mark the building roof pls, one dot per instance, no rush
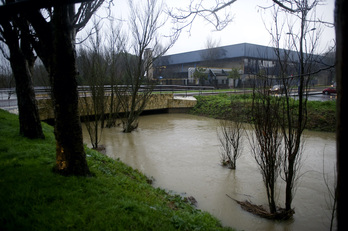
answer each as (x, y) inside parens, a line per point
(242, 50)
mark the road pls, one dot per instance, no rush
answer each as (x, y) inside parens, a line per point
(8, 98)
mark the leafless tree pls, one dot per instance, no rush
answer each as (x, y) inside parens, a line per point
(209, 56)
(218, 13)
(266, 139)
(145, 23)
(6, 77)
(304, 42)
(116, 41)
(212, 52)
(230, 134)
(341, 22)
(93, 67)
(40, 75)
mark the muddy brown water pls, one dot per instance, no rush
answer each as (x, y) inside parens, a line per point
(181, 152)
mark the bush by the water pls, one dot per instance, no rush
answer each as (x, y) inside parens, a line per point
(321, 115)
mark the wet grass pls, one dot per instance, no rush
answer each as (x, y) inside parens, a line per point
(32, 197)
(321, 115)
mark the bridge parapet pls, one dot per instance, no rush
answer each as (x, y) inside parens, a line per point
(156, 102)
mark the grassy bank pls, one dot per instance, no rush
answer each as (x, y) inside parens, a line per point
(321, 115)
(32, 197)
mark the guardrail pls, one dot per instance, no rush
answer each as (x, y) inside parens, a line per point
(46, 91)
(155, 88)
(8, 98)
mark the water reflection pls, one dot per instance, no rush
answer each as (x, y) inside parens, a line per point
(182, 153)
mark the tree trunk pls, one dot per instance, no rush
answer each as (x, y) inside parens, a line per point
(341, 23)
(271, 201)
(29, 120)
(289, 183)
(70, 154)
(22, 60)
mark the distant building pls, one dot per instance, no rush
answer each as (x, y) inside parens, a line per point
(213, 66)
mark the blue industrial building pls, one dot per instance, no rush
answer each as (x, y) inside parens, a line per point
(248, 59)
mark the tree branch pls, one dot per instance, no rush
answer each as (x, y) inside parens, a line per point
(208, 14)
(84, 13)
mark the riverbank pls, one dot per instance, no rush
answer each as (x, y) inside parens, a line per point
(321, 115)
(32, 197)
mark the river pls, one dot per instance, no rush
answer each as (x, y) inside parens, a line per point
(181, 153)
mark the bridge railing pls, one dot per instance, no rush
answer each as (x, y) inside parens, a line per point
(8, 96)
(158, 89)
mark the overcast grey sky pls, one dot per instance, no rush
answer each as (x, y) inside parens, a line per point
(247, 25)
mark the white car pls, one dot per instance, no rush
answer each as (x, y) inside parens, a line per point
(277, 89)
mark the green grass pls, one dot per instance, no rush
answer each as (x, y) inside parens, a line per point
(32, 197)
(224, 106)
(321, 115)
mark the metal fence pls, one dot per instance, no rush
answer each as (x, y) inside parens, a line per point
(8, 98)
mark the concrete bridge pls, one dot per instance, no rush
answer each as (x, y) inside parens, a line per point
(166, 102)
(165, 98)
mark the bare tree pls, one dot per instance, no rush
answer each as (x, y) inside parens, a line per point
(217, 13)
(145, 24)
(116, 41)
(93, 67)
(266, 139)
(212, 52)
(340, 27)
(293, 122)
(230, 134)
(40, 75)
(6, 77)
(209, 56)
